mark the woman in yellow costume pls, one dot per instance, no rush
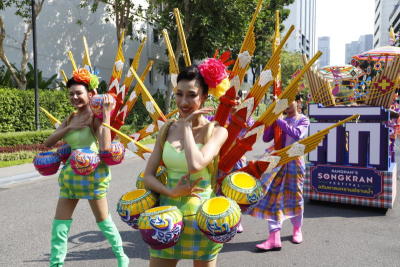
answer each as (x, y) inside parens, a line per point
(82, 131)
(186, 156)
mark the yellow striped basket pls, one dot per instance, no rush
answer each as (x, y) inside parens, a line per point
(133, 203)
(218, 218)
(161, 175)
(242, 188)
(161, 227)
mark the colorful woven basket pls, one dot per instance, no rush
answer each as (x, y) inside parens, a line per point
(96, 104)
(115, 155)
(218, 218)
(84, 161)
(133, 203)
(161, 227)
(242, 188)
(64, 151)
(161, 175)
(47, 163)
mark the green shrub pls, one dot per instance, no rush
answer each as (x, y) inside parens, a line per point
(17, 155)
(24, 138)
(17, 112)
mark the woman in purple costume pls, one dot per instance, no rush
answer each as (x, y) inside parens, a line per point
(284, 195)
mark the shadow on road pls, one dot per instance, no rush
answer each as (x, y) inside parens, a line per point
(320, 209)
(134, 247)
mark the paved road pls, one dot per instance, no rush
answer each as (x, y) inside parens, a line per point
(335, 235)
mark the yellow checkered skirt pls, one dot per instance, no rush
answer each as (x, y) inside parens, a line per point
(92, 186)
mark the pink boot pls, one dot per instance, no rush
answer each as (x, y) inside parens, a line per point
(240, 228)
(297, 235)
(272, 243)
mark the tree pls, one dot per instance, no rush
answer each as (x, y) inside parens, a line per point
(123, 12)
(290, 63)
(208, 24)
(23, 10)
(264, 31)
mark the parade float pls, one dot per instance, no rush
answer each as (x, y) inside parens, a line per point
(355, 163)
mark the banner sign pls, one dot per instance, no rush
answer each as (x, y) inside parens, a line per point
(363, 144)
(349, 181)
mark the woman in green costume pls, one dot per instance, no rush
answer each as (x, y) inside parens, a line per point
(186, 156)
(82, 130)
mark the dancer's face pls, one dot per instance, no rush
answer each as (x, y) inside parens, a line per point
(189, 97)
(291, 109)
(79, 96)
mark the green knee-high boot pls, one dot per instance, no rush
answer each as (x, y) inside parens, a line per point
(59, 240)
(110, 231)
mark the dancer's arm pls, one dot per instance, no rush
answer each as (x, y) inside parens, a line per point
(103, 133)
(296, 132)
(57, 135)
(268, 133)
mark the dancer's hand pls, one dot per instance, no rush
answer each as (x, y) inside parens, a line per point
(195, 114)
(186, 188)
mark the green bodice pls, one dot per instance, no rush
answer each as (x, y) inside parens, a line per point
(81, 138)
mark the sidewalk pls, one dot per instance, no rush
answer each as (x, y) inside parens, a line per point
(17, 170)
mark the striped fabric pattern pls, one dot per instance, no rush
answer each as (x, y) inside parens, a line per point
(284, 193)
(385, 200)
(93, 186)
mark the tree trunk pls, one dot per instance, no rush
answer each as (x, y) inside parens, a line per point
(3, 57)
(20, 78)
(253, 71)
(25, 55)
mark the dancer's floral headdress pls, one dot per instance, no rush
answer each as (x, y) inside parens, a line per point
(215, 75)
(84, 76)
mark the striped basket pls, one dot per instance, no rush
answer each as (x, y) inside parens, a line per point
(161, 175)
(133, 203)
(84, 161)
(64, 151)
(161, 227)
(115, 155)
(47, 163)
(218, 218)
(242, 188)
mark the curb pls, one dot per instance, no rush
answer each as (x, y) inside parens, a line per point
(30, 176)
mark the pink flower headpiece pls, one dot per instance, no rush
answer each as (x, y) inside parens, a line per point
(215, 74)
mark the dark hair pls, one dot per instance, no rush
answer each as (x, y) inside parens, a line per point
(72, 82)
(192, 73)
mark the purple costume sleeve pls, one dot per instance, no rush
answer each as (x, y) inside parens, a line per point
(268, 134)
(298, 131)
